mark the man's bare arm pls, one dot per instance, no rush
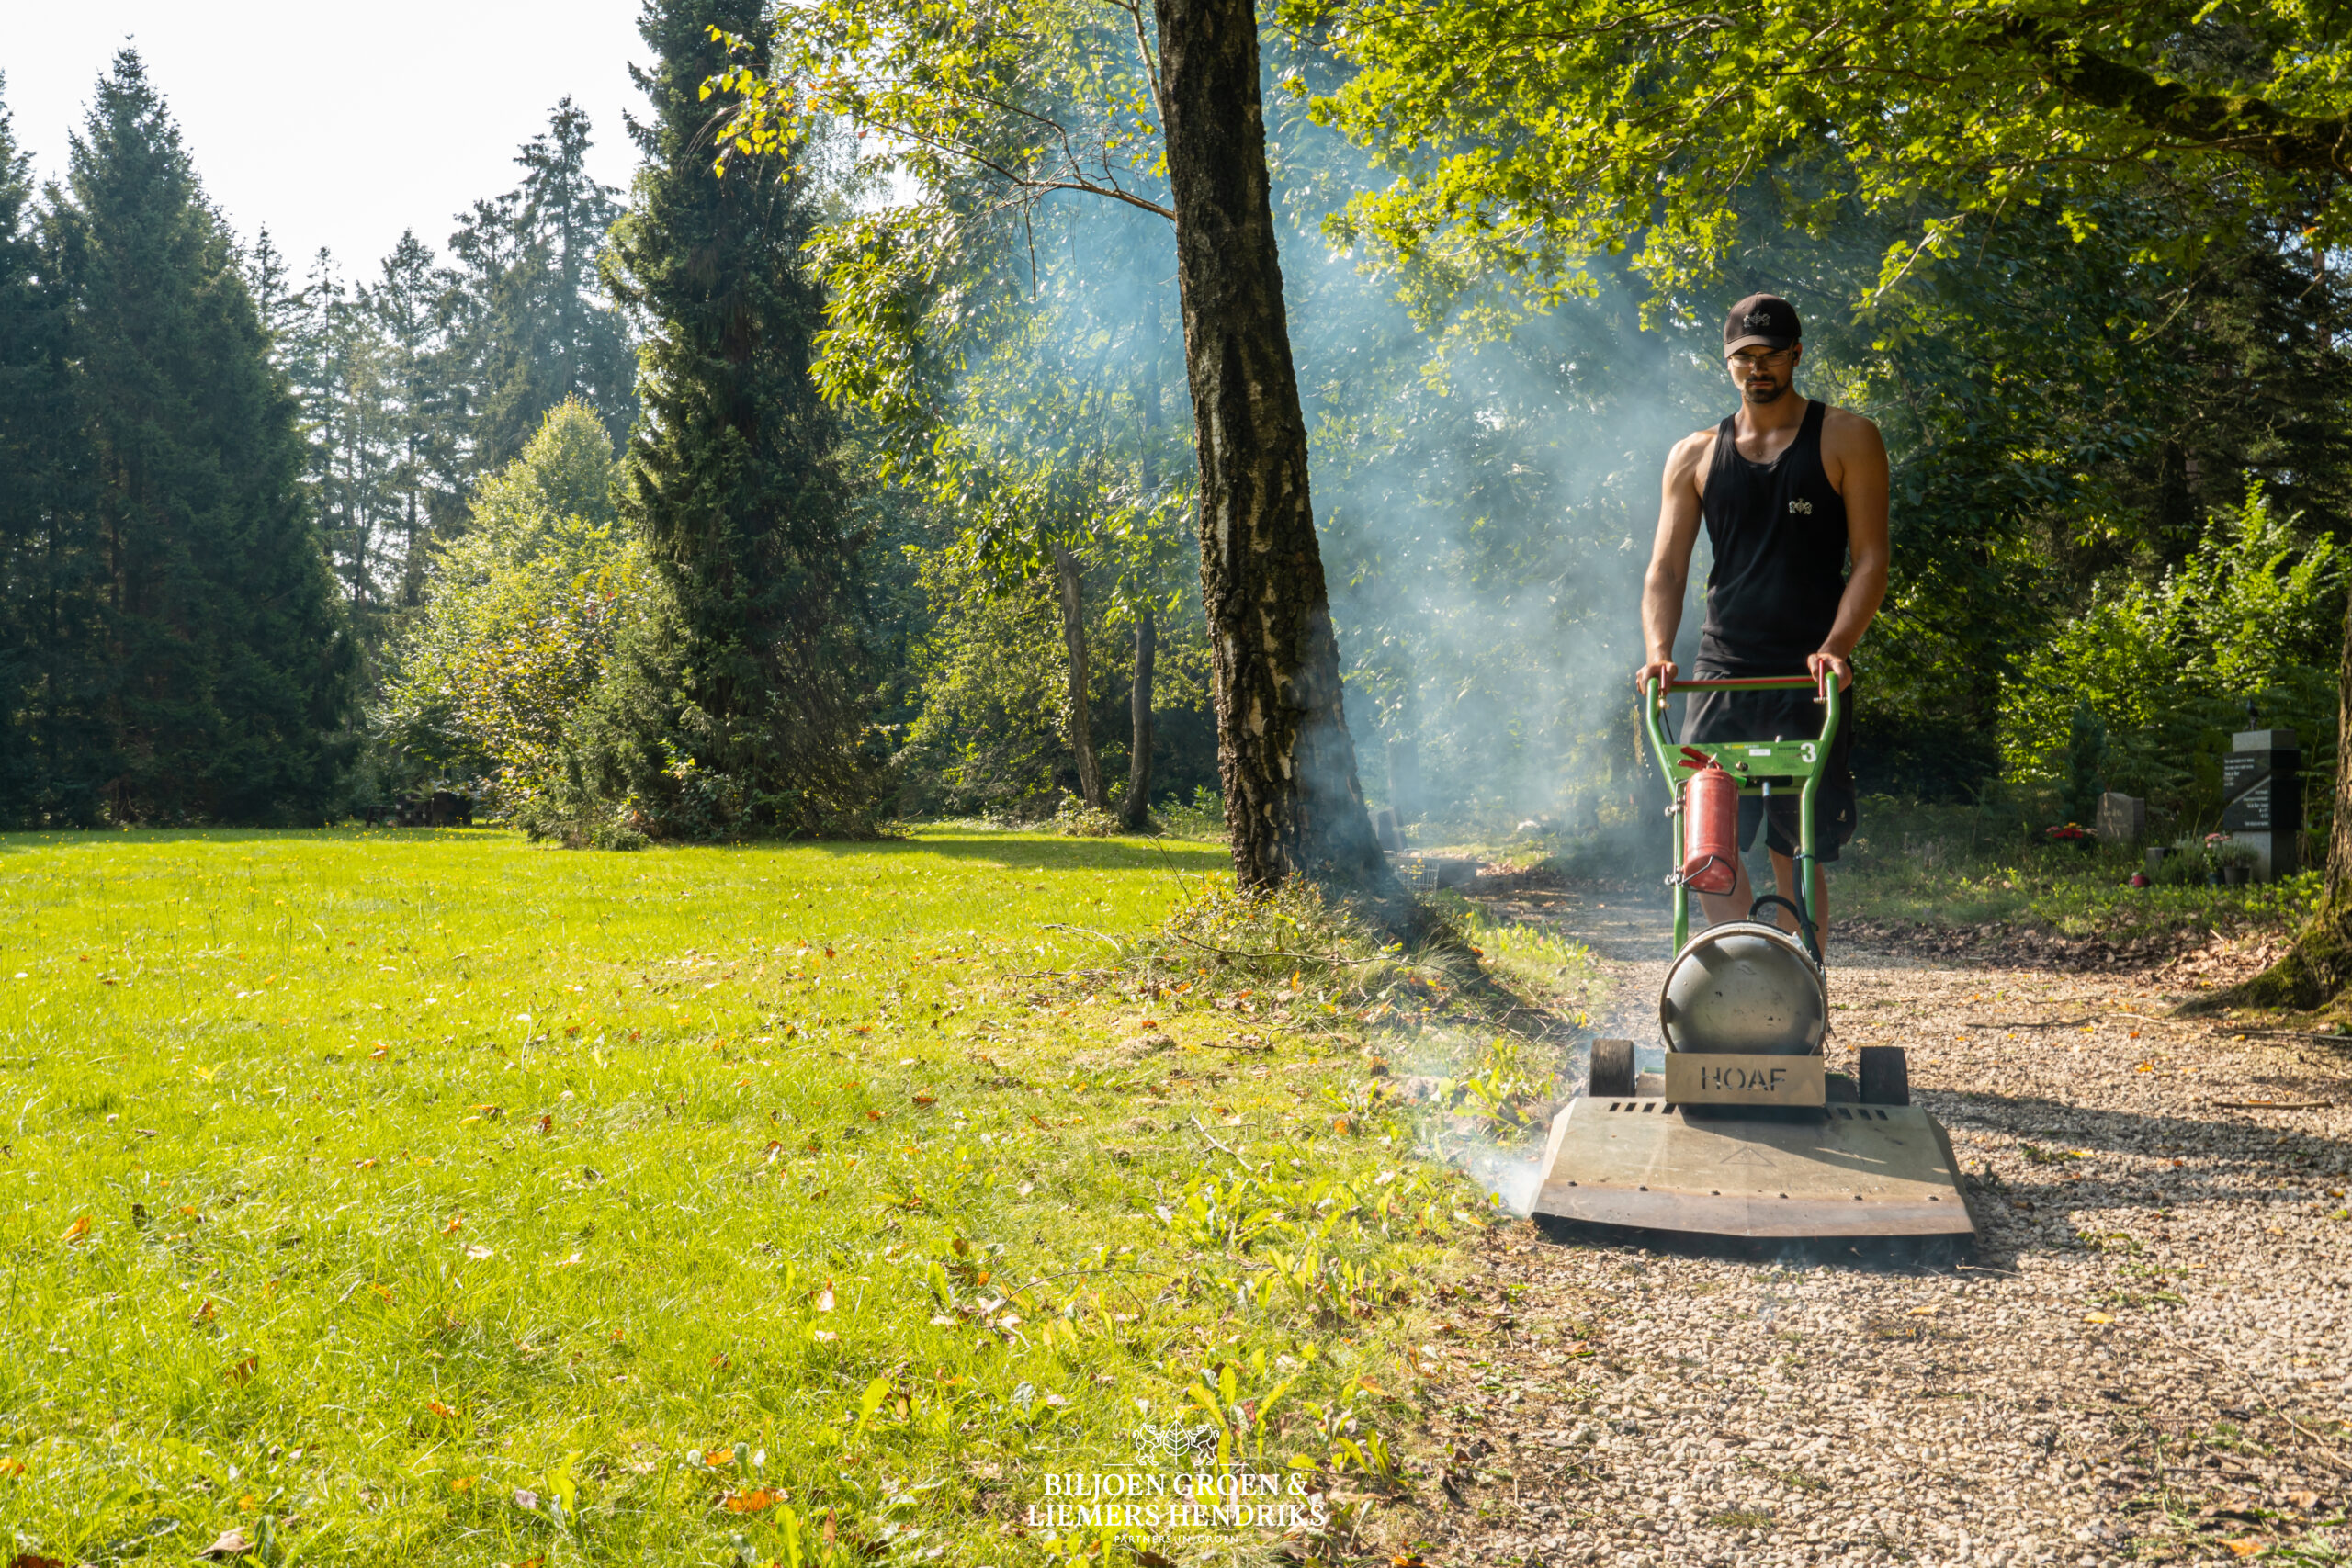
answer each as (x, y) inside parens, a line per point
(1855, 457)
(1670, 574)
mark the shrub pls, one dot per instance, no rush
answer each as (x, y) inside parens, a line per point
(2164, 669)
(1076, 820)
(543, 656)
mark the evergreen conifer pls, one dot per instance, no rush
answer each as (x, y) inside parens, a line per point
(538, 332)
(230, 665)
(731, 474)
(55, 753)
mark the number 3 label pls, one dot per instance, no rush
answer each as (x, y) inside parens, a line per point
(1807, 748)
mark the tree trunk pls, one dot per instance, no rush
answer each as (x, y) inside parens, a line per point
(1292, 804)
(1136, 809)
(2319, 966)
(1081, 729)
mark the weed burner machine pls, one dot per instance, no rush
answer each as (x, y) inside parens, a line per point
(1747, 1133)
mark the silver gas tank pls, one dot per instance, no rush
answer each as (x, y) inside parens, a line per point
(1743, 987)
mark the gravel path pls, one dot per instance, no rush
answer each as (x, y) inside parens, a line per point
(2149, 1359)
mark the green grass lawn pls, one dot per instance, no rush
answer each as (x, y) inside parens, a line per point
(426, 1197)
(1944, 866)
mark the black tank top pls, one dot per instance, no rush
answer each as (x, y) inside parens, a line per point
(1778, 531)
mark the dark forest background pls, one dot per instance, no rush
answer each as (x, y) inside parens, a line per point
(585, 509)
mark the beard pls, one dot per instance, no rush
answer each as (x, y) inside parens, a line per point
(1765, 391)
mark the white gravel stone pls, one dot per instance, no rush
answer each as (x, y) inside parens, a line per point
(1795, 1410)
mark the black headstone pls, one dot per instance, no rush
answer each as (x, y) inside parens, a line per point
(2262, 789)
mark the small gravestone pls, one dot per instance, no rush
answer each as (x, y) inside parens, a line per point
(1384, 828)
(2262, 799)
(2122, 818)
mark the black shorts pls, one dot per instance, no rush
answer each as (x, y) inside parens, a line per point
(1782, 715)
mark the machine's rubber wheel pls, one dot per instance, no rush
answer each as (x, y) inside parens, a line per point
(1613, 1070)
(1886, 1075)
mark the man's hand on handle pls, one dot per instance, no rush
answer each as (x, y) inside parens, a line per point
(1816, 664)
(1662, 671)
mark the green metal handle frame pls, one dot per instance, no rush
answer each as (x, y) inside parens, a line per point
(1782, 764)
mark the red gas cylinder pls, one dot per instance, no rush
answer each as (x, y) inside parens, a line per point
(1710, 830)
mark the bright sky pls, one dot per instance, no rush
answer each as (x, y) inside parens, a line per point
(337, 124)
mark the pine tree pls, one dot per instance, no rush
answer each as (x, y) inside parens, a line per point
(340, 371)
(53, 750)
(231, 664)
(539, 331)
(425, 483)
(731, 478)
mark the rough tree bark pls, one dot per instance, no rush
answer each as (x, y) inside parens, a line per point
(1081, 728)
(1292, 802)
(1136, 809)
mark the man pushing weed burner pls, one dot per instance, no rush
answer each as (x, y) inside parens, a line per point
(1790, 491)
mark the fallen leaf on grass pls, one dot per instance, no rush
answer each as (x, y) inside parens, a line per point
(456, 1223)
(435, 1407)
(233, 1543)
(2246, 1546)
(825, 1297)
(75, 1231)
(478, 1251)
(823, 1336)
(2098, 1317)
(201, 1314)
(364, 1164)
(243, 1373)
(750, 1501)
(925, 1099)
(383, 1291)
(462, 1483)
(2306, 1501)
(33, 1560)
(11, 1466)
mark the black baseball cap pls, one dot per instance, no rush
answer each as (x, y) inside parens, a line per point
(1764, 321)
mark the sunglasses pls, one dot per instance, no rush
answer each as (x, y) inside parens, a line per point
(1753, 357)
